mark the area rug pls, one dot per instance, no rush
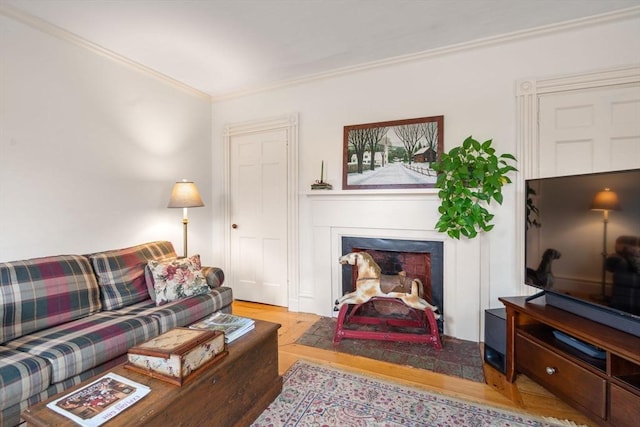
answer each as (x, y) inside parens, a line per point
(457, 358)
(315, 395)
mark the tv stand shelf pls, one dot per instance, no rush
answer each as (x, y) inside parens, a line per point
(607, 390)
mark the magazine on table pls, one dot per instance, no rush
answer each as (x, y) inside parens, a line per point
(98, 402)
(233, 326)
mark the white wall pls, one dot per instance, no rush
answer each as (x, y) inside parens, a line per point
(90, 148)
(475, 91)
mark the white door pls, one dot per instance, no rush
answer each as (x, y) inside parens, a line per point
(589, 130)
(258, 216)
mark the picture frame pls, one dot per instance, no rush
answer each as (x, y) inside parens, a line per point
(403, 151)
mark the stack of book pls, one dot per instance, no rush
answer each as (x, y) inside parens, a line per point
(233, 326)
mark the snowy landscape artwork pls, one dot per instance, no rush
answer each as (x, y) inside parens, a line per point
(393, 154)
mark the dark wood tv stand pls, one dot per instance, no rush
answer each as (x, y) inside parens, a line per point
(607, 390)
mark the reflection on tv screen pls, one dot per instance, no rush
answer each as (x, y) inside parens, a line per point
(583, 237)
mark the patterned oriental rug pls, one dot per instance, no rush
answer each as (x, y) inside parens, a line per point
(315, 395)
(457, 358)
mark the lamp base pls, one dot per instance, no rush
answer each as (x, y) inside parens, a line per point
(185, 221)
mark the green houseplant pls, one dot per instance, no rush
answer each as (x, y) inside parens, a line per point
(469, 178)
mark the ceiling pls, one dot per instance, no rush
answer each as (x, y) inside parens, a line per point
(224, 47)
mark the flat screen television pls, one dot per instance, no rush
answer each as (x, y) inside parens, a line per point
(582, 245)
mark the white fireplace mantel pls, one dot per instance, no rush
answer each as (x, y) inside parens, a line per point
(409, 194)
(392, 215)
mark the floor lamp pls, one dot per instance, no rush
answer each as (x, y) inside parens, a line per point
(185, 195)
(605, 201)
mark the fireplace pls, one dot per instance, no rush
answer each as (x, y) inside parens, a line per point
(420, 259)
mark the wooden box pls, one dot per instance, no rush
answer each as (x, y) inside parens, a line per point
(177, 355)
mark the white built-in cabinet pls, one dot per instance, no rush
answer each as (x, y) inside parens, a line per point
(581, 123)
(575, 124)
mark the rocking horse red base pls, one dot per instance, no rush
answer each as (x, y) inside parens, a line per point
(424, 321)
(417, 313)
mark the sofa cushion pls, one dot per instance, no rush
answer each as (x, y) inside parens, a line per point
(121, 272)
(177, 279)
(42, 292)
(21, 376)
(83, 344)
(213, 275)
(182, 312)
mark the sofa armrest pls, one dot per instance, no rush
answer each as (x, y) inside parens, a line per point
(214, 276)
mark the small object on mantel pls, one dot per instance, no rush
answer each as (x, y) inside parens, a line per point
(321, 185)
(177, 355)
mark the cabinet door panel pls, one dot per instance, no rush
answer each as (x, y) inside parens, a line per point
(624, 407)
(580, 387)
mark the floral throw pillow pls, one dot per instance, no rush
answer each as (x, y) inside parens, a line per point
(176, 279)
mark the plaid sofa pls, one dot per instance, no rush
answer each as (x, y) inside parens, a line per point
(69, 317)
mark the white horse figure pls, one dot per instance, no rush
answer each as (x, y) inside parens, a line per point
(368, 285)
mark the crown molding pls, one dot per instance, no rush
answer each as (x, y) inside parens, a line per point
(60, 33)
(447, 50)
(629, 74)
(68, 36)
(279, 122)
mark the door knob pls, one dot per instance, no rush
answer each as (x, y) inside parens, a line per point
(550, 370)
(234, 226)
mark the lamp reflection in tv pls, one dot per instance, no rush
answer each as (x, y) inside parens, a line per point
(605, 201)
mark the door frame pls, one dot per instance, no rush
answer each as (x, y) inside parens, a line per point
(290, 124)
(528, 93)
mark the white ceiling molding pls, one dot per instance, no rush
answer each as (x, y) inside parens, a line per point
(447, 50)
(62, 34)
(71, 37)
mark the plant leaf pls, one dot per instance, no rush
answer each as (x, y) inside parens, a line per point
(470, 176)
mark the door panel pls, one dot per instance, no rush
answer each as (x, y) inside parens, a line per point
(589, 131)
(258, 208)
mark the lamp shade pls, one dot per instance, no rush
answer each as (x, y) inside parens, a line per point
(605, 200)
(185, 195)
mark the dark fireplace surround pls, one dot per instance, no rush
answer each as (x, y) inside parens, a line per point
(420, 259)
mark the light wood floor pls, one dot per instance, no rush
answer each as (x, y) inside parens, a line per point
(522, 396)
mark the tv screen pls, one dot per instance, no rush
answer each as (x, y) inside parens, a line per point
(582, 238)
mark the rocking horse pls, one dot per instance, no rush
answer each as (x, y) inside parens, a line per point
(421, 314)
(368, 285)
(543, 277)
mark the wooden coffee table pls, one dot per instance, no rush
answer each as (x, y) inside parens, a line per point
(233, 392)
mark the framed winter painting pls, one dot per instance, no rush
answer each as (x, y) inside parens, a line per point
(392, 155)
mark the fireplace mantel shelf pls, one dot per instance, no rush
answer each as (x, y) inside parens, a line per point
(418, 192)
